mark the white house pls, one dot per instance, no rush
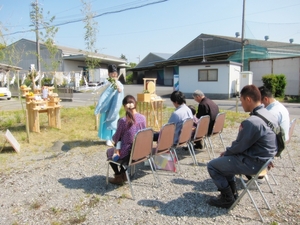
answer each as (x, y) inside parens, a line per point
(220, 61)
(218, 80)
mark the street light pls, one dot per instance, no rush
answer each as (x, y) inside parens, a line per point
(203, 46)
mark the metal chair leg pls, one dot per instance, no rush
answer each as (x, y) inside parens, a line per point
(211, 147)
(155, 175)
(192, 152)
(207, 148)
(173, 149)
(129, 182)
(107, 173)
(246, 190)
(221, 137)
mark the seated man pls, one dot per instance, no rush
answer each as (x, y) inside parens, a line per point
(277, 109)
(255, 144)
(181, 113)
(206, 107)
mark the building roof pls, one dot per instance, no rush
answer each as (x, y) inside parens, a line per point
(216, 48)
(5, 67)
(79, 54)
(152, 58)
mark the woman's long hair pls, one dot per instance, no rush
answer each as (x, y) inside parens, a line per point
(129, 104)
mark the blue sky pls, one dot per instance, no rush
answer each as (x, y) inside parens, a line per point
(165, 27)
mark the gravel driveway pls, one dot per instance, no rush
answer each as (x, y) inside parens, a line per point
(65, 184)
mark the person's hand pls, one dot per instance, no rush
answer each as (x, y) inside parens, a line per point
(222, 154)
(271, 165)
(117, 152)
(119, 89)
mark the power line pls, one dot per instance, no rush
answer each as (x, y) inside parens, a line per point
(95, 16)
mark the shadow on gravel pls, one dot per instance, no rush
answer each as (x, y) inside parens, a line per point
(182, 154)
(204, 186)
(68, 145)
(91, 185)
(189, 204)
(97, 184)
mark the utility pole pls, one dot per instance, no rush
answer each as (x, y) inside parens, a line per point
(243, 30)
(242, 50)
(38, 64)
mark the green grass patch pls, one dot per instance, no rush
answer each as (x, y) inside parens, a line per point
(78, 129)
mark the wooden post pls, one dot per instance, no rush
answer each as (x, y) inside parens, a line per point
(27, 126)
(97, 122)
(57, 117)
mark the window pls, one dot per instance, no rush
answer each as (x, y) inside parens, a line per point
(208, 75)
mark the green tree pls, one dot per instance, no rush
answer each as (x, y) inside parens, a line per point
(46, 32)
(48, 38)
(129, 77)
(90, 37)
(2, 44)
(123, 57)
(10, 55)
(132, 65)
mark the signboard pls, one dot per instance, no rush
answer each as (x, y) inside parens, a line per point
(11, 139)
(176, 82)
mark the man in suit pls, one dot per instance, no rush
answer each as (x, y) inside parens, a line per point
(205, 107)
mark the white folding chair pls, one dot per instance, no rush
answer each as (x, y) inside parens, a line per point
(165, 141)
(217, 130)
(184, 139)
(141, 151)
(291, 131)
(262, 172)
(201, 133)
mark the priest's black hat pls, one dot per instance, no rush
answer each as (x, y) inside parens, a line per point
(112, 68)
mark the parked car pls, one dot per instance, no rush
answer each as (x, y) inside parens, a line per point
(5, 93)
(95, 84)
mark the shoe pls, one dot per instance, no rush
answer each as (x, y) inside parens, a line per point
(198, 147)
(185, 148)
(224, 200)
(109, 143)
(232, 185)
(124, 177)
(118, 179)
(199, 144)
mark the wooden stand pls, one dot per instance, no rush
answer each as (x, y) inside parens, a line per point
(150, 105)
(150, 85)
(153, 111)
(50, 91)
(35, 107)
(144, 97)
(37, 91)
(25, 91)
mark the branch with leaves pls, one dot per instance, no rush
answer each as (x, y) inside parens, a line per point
(113, 83)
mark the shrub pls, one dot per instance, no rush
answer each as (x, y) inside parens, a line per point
(129, 79)
(276, 83)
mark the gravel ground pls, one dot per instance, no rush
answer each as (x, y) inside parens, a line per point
(65, 184)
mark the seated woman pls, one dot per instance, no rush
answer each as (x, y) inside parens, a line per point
(127, 127)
